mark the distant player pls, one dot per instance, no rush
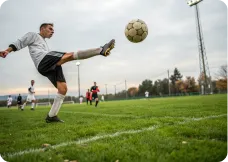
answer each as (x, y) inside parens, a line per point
(146, 94)
(88, 97)
(81, 100)
(49, 63)
(94, 89)
(31, 96)
(102, 98)
(19, 101)
(9, 101)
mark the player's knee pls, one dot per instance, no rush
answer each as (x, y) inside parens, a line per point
(66, 57)
(63, 90)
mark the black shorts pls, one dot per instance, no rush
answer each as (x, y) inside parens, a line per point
(19, 102)
(48, 67)
(94, 96)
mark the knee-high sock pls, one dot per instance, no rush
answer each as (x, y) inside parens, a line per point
(96, 102)
(80, 55)
(56, 105)
(32, 105)
(23, 106)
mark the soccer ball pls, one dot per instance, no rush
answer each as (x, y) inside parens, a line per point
(136, 31)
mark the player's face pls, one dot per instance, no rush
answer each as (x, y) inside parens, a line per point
(32, 82)
(48, 31)
(95, 83)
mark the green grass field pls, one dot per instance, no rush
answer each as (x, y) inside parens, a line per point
(178, 129)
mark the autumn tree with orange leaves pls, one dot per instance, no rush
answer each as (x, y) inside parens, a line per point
(221, 82)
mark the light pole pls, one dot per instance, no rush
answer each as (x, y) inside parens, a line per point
(78, 63)
(106, 89)
(168, 83)
(204, 68)
(115, 90)
(126, 88)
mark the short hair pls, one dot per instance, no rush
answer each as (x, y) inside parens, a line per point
(46, 24)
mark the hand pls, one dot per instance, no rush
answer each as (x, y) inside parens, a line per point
(3, 54)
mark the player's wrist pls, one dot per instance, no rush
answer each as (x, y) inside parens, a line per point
(10, 49)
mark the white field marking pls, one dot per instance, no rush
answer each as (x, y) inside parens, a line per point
(86, 140)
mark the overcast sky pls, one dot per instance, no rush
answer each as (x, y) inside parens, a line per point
(83, 24)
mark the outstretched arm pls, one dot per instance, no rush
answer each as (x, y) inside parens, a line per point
(6, 52)
(26, 40)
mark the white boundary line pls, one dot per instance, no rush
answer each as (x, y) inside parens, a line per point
(86, 140)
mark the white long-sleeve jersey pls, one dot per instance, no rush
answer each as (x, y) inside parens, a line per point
(37, 45)
(31, 90)
(9, 99)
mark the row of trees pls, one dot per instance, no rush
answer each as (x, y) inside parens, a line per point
(176, 85)
(221, 82)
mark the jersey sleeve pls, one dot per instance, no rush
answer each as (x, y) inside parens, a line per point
(97, 89)
(26, 40)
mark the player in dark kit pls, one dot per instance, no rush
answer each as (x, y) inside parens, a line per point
(88, 97)
(19, 101)
(94, 89)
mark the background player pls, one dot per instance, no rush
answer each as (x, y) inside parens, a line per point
(146, 94)
(31, 96)
(80, 99)
(9, 101)
(94, 89)
(88, 97)
(102, 98)
(19, 101)
(48, 63)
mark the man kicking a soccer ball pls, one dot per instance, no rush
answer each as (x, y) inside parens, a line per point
(48, 63)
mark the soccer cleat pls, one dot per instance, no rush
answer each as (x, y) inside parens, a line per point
(107, 48)
(32, 109)
(53, 119)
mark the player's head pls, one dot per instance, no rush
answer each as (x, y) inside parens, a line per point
(19, 94)
(32, 82)
(46, 30)
(94, 83)
(9, 95)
